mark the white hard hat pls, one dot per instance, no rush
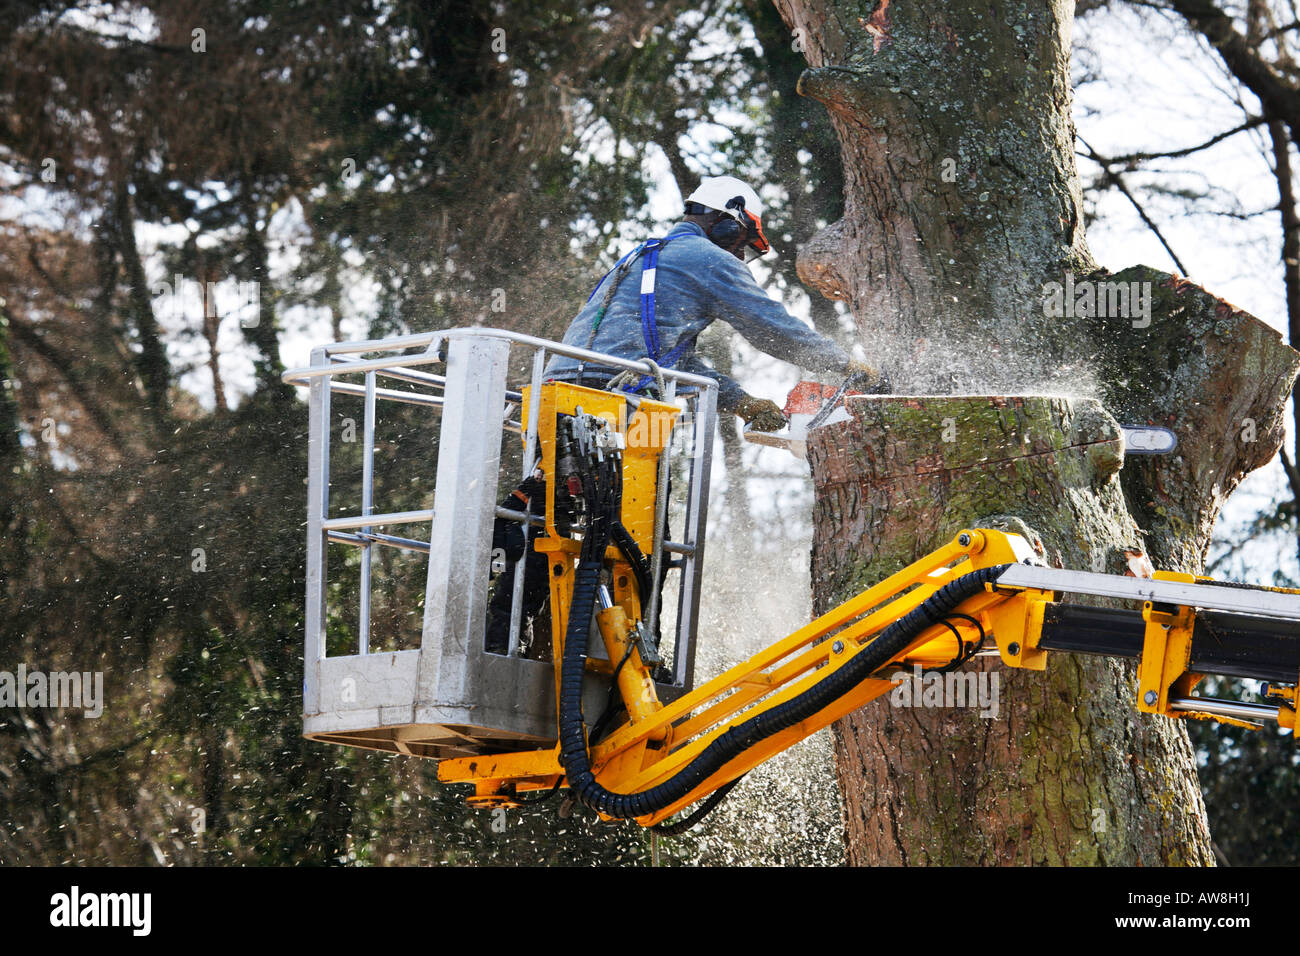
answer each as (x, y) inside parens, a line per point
(717, 191)
(728, 195)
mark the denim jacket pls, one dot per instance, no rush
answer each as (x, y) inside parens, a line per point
(696, 283)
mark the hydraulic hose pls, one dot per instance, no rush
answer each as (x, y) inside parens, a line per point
(640, 566)
(572, 727)
(704, 809)
(729, 745)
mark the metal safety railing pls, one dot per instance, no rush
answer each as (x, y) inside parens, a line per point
(474, 403)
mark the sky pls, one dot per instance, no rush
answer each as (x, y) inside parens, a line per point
(1160, 89)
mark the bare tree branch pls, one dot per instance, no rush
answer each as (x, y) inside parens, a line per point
(1279, 99)
(1129, 158)
(1117, 180)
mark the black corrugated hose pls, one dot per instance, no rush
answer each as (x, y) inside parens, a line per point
(675, 827)
(602, 492)
(640, 565)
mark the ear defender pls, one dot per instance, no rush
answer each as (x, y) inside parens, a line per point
(733, 227)
(725, 231)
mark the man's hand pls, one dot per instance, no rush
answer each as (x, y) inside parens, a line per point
(760, 414)
(868, 378)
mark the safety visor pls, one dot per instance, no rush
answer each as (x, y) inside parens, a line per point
(757, 244)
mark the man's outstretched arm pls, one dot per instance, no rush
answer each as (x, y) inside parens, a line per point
(764, 415)
(766, 324)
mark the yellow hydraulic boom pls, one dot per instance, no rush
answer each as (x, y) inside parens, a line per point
(940, 611)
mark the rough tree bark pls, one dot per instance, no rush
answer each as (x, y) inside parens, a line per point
(961, 203)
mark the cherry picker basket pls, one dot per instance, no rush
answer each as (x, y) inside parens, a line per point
(450, 697)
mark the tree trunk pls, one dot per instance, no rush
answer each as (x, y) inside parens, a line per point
(151, 363)
(961, 195)
(961, 205)
(1063, 772)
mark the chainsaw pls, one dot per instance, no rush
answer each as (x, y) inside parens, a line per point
(811, 405)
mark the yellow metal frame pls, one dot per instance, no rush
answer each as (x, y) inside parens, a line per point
(1166, 652)
(645, 433)
(1287, 696)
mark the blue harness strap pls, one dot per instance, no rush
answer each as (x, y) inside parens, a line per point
(649, 268)
(649, 327)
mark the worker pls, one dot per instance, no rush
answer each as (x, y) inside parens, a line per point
(679, 285)
(508, 547)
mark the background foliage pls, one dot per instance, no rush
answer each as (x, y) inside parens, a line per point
(376, 167)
